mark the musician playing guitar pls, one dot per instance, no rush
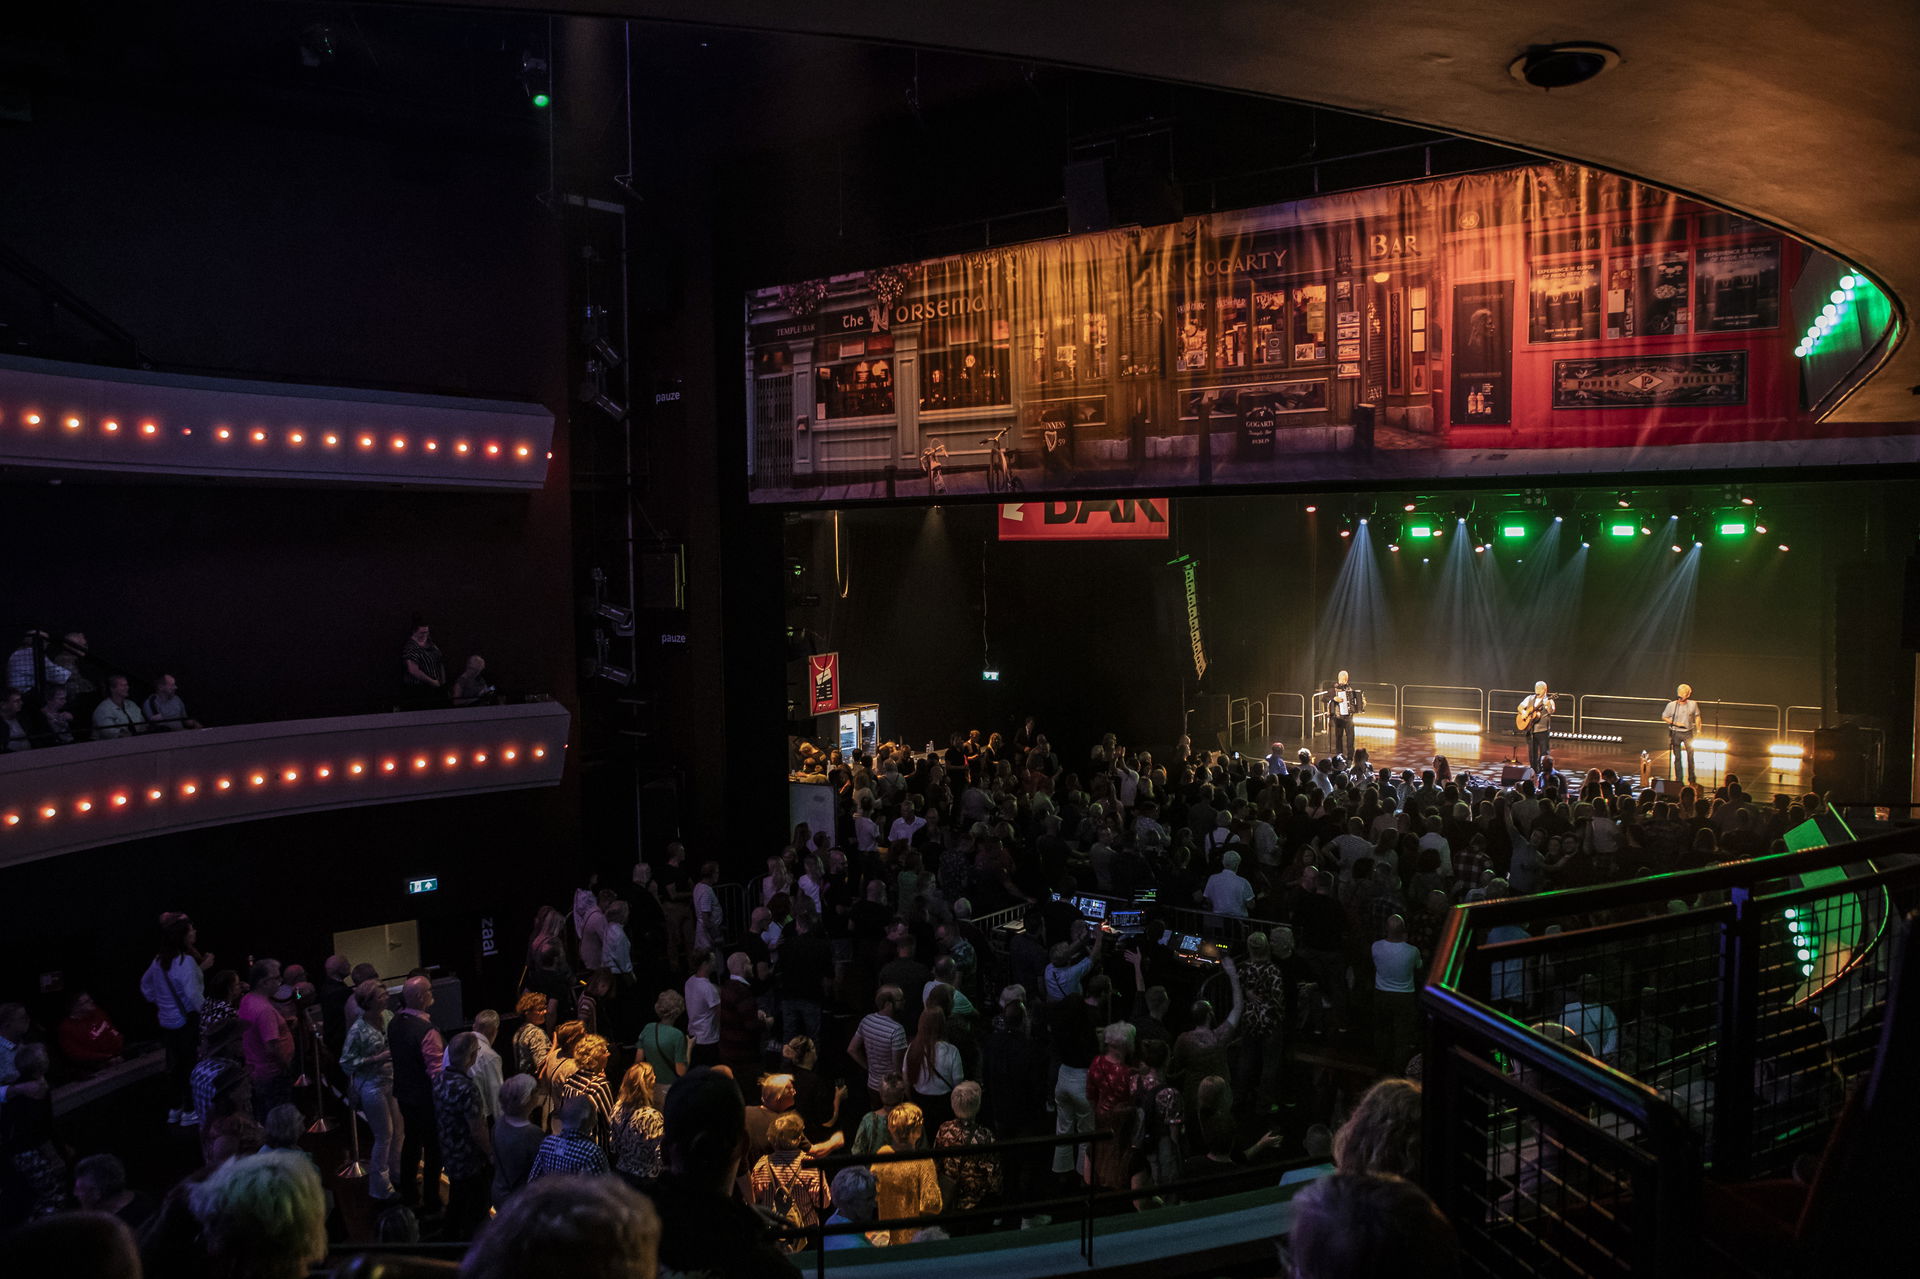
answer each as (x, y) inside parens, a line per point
(1682, 716)
(1535, 719)
(1344, 701)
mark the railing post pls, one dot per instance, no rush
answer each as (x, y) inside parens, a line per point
(1733, 1095)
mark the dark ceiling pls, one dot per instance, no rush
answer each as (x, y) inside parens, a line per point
(1794, 112)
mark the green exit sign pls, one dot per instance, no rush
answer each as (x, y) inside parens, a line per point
(423, 885)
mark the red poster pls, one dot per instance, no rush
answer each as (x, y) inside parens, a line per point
(823, 682)
(1094, 520)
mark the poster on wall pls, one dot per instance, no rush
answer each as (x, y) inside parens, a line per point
(823, 682)
(1093, 520)
(1483, 352)
(1084, 362)
(1738, 288)
(1564, 302)
(1647, 382)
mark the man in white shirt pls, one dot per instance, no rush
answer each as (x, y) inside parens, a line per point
(1435, 840)
(866, 831)
(703, 1011)
(709, 920)
(118, 715)
(1351, 844)
(1227, 893)
(906, 825)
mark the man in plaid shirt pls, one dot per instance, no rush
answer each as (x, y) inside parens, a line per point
(1470, 864)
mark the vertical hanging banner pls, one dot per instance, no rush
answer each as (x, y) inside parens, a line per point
(823, 682)
(1190, 571)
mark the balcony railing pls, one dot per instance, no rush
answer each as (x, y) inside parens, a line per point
(74, 417)
(1591, 1060)
(106, 792)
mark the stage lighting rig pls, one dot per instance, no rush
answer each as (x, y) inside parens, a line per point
(600, 668)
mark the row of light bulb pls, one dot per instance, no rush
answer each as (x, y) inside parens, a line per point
(1804, 946)
(294, 437)
(259, 778)
(1829, 317)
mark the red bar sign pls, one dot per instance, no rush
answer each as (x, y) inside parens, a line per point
(823, 679)
(1091, 520)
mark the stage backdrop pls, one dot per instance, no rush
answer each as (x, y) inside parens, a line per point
(1535, 320)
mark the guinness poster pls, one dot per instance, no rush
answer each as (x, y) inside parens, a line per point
(1483, 353)
(1565, 302)
(1643, 382)
(1738, 288)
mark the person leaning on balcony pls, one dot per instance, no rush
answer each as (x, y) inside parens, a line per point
(118, 715)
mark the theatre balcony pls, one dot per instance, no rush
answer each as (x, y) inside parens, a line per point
(82, 418)
(67, 798)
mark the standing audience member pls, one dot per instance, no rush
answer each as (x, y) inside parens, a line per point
(784, 1183)
(741, 1030)
(663, 1045)
(423, 669)
(516, 1138)
(530, 1042)
(466, 1145)
(879, 1043)
(705, 1230)
(100, 1185)
(367, 1062)
(703, 1011)
(911, 1187)
(268, 1041)
(489, 1071)
(855, 1202)
(1396, 1011)
(932, 1067)
(589, 1080)
(175, 986)
(976, 1181)
(709, 920)
(570, 1151)
(417, 1060)
(638, 1127)
(580, 1227)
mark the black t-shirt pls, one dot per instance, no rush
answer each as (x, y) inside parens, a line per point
(675, 885)
(1070, 1031)
(806, 961)
(1319, 923)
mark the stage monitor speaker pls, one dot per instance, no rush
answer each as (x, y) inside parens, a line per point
(1086, 187)
(1666, 786)
(1514, 774)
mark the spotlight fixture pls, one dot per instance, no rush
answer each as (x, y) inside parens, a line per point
(610, 406)
(621, 618)
(1311, 508)
(600, 668)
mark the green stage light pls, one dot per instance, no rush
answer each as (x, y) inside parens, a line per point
(1512, 531)
(1733, 528)
(1622, 530)
(542, 100)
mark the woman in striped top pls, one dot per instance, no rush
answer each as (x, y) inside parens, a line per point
(589, 1080)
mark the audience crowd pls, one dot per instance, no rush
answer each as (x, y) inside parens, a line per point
(693, 1072)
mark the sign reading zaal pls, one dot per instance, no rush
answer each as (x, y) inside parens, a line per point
(823, 682)
(1088, 521)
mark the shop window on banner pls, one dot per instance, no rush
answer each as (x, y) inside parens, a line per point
(859, 380)
(1230, 348)
(964, 363)
(1270, 336)
(1069, 350)
(1310, 324)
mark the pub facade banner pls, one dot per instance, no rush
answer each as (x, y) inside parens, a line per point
(1524, 322)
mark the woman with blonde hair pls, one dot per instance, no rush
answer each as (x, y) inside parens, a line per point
(785, 1183)
(663, 1045)
(637, 1127)
(911, 1187)
(589, 1080)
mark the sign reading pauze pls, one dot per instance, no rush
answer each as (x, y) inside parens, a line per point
(1093, 520)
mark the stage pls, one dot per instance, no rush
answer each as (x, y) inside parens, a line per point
(1484, 755)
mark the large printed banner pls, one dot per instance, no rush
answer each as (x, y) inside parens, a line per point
(1134, 518)
(1487, 324)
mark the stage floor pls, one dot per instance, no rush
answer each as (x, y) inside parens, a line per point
(1482, 755)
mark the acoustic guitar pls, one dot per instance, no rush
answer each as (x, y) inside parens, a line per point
(1524, 719)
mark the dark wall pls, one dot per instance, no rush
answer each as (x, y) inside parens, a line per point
(234, 220)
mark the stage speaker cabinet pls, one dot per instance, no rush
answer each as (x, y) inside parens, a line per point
(1666, 786)
(1514, 774)
(663, 579)
(1086, 188)
(1843, 764)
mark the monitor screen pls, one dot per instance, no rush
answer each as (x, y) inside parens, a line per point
(1189, 943)
(1166, 937)
(1127, 918)
(1146, 896)
(1093, 908)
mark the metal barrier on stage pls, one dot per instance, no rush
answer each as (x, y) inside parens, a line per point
(1297, 718)
(1452, 703)
(1809, 723)
(1716, 719)
(1723, 1035)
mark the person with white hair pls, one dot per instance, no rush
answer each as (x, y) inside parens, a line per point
(976, 1182)
(1226, 892)
(855, 1202)
(585, 1227)
(263, 1216)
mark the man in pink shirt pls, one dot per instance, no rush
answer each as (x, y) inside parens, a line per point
(266, 1040)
